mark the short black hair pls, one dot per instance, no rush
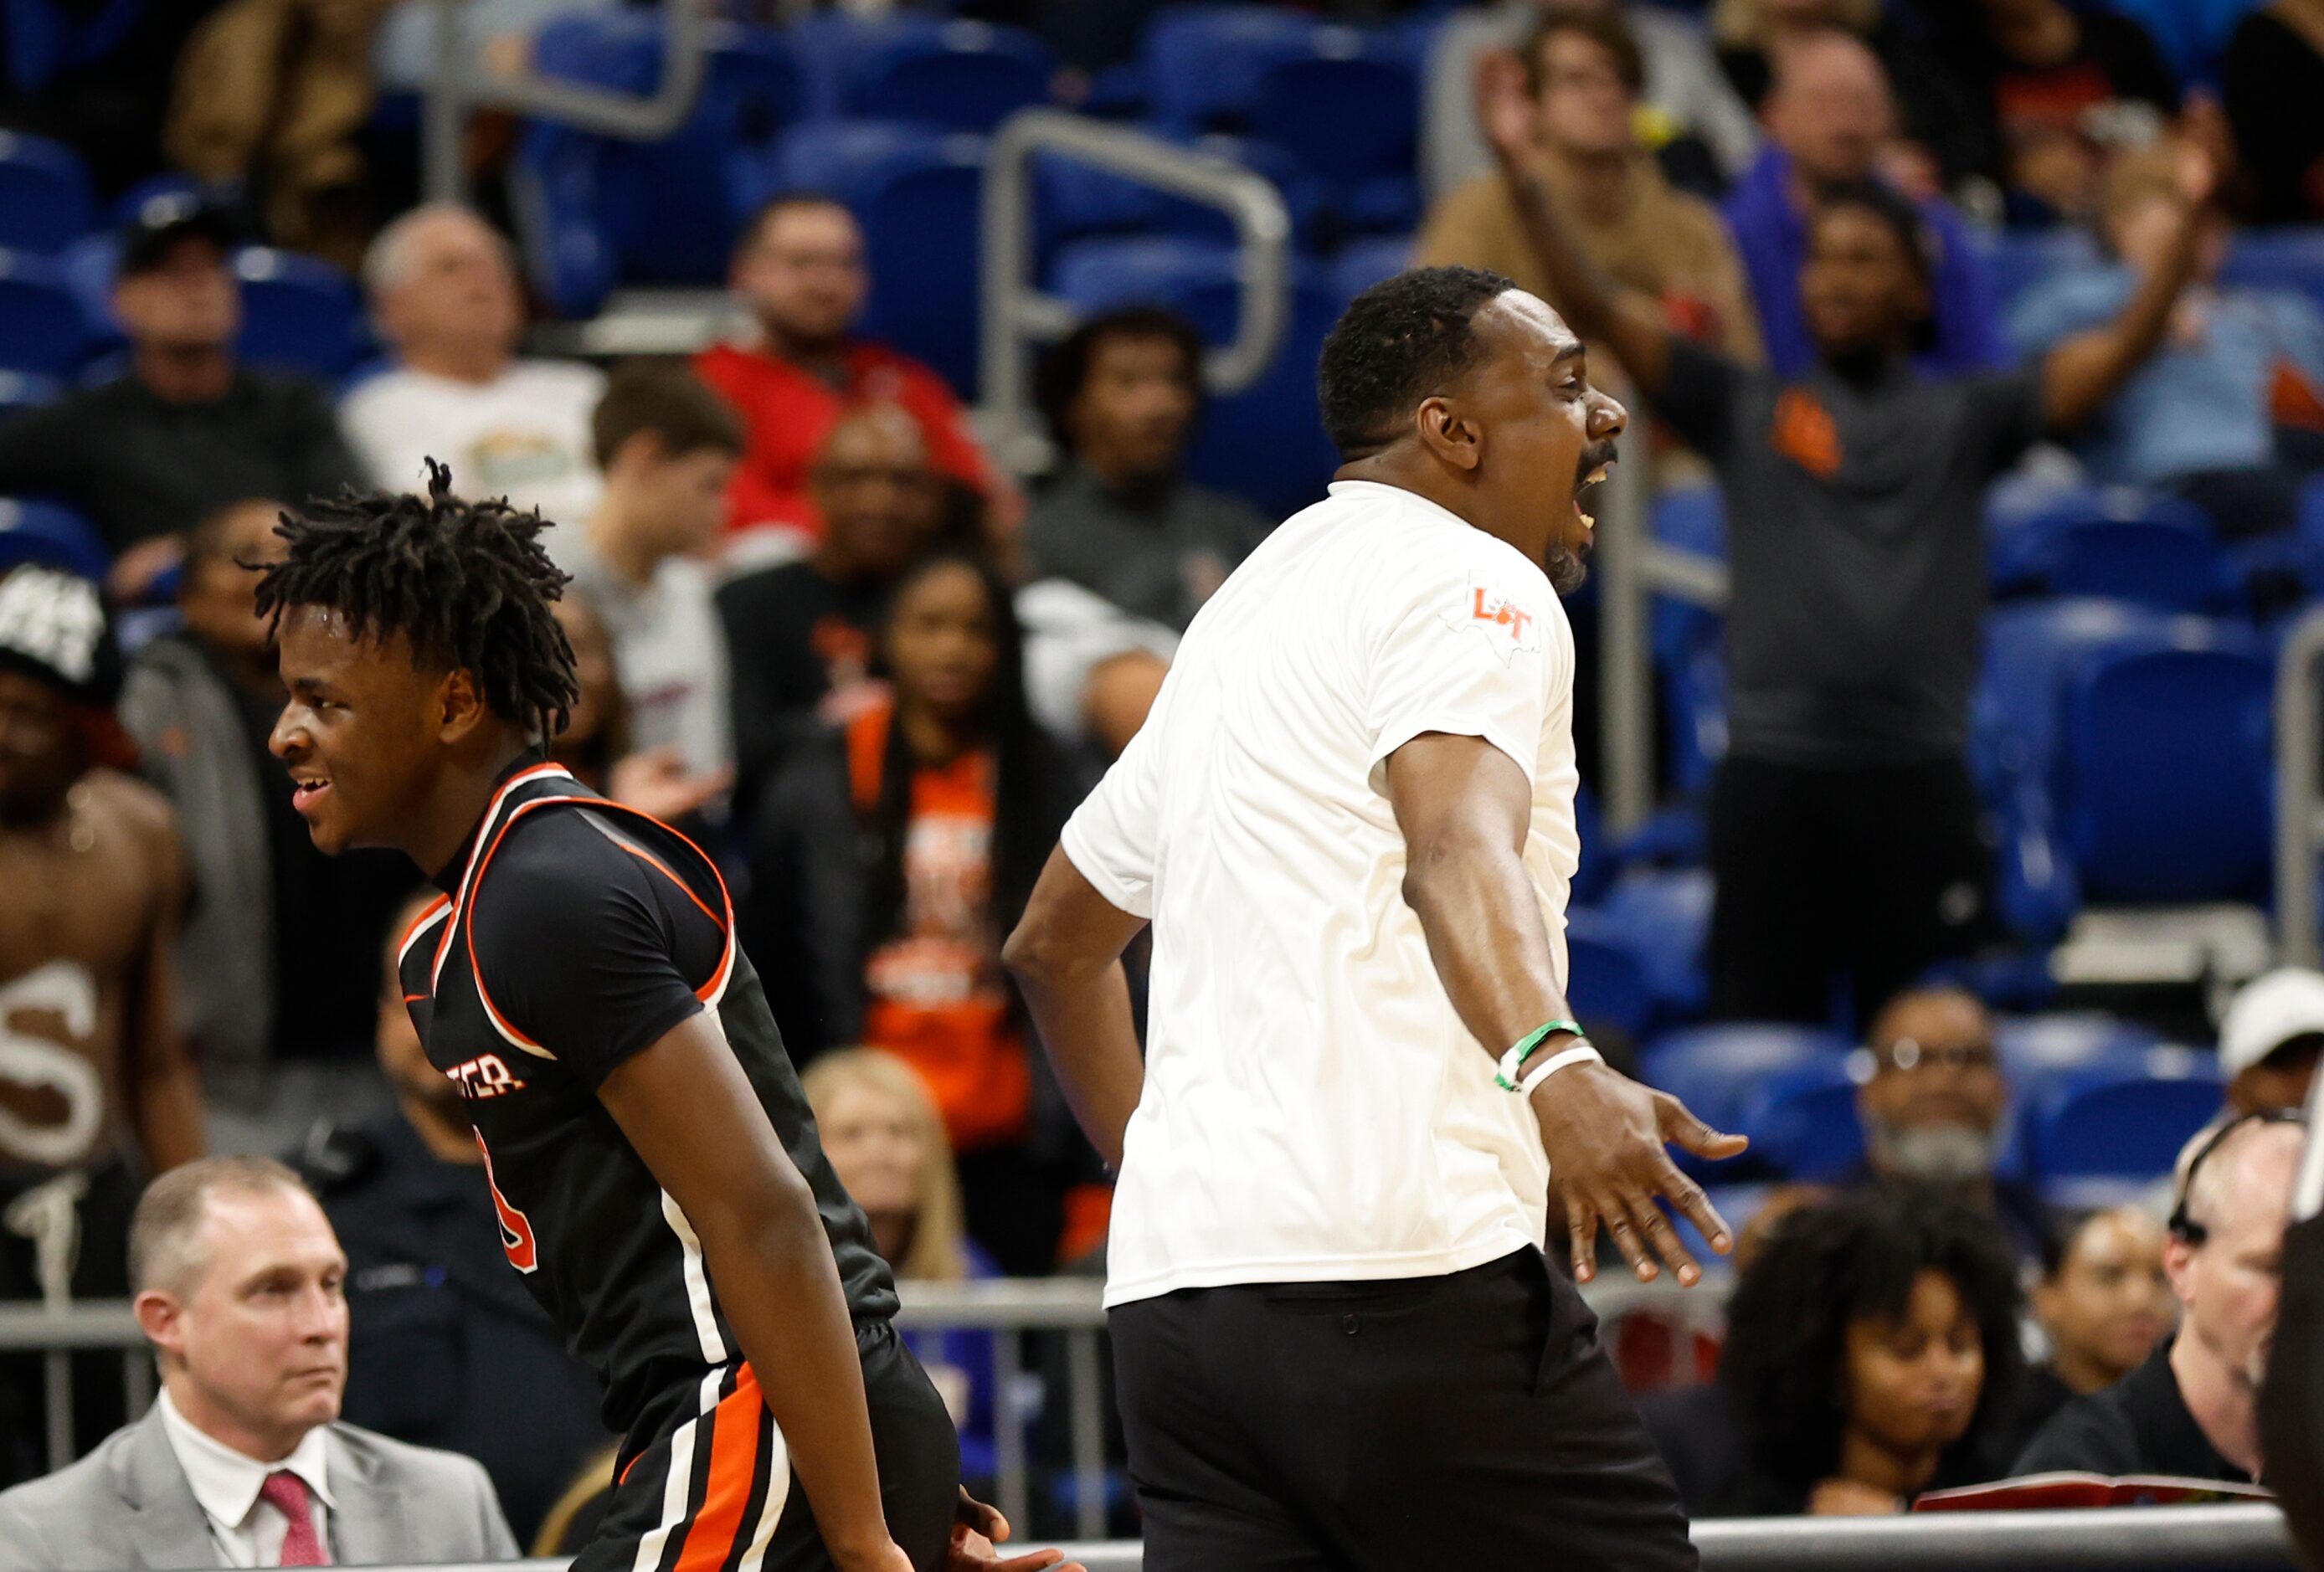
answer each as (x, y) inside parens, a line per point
(1892, 208)
(1063, 368)
(1825, 1267)
(467, 582)
(1398, 342)
(666, 397)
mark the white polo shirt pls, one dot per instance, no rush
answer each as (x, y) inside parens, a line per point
(1313, 1109)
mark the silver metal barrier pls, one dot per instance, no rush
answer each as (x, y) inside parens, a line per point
(1632, 567)
(1011, 1308)
(2298, 816)
(1015, 313)
(2152, 1539)
(458, 84)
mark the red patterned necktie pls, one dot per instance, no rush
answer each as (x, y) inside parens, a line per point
(287, 1494)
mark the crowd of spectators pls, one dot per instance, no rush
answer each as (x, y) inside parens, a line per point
(818, 624)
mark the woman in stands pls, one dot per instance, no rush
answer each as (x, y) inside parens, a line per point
(1871, 1356)
(885, 1142)
(894, 851)
(2103, 1302)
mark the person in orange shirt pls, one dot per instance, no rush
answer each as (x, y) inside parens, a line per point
(799, 270)
(894, 851)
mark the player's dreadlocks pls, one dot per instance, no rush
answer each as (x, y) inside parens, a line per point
(466, 582)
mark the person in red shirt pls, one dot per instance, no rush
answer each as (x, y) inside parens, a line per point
(799, 268)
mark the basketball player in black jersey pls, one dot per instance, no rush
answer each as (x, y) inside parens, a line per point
(657, 1174)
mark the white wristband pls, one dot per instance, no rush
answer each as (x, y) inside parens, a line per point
(1580, 1054)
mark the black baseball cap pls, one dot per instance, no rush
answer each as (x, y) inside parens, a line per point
(167, 219)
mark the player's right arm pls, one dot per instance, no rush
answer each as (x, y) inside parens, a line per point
(1593, 305)
(1066, 957)
(686, 1107)
(1465, 808)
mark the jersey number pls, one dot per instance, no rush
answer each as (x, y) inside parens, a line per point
(516, 1228)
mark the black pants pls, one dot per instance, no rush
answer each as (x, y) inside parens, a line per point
(715, 1488)
(100, 1270)
(1469, 1420)
(1866, 876)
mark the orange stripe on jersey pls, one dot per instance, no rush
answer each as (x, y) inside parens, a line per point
(420, 924)
(734, 1444)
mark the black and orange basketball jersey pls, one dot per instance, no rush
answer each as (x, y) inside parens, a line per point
(573, 933)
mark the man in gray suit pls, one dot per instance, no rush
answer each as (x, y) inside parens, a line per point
(239, 1285)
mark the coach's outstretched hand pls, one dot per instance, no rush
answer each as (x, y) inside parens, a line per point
(1606, 1137)
(976, 1527)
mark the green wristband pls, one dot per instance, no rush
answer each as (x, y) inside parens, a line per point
(1513, 1062)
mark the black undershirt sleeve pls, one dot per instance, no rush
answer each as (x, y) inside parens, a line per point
(584, 946)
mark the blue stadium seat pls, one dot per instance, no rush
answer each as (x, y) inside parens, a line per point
(21, 391)
(1264, 442)
(2165, 766)
(2114, 543)
(2105, 1124)
(88, 266)
(598, 210)
(918, 193)
(1668, 916)
(1346, 112)
(2018, 259)
(1605, 983)
(1693, 518)
(299, 313)
(2278, 259)
(41, 330)
(959, 76)
(1714, 1069)
(1802, 1120)
(1365, 262)
(56, 536)
(167, 186)
(1204, 63)
(2028, 651)
(45, 200)
(2036, 1049)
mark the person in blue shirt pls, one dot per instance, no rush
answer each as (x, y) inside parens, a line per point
(1831, 119)
(2230, 410)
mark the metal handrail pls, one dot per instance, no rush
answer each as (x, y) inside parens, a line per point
(1632, 567)
(2297, 697)
(2147, 1538)
(456, 85)
(1015, 313)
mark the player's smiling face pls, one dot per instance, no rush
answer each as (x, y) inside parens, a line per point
(1548, 435)
(360, 731)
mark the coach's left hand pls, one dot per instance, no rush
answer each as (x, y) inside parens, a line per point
(976, 1527)
(1606, 1137)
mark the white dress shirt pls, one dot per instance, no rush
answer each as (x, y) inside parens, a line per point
(1313, 1109)
(247, 1531)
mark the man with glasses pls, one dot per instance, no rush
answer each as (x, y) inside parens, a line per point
(2192, 1408)
(1935, 1109)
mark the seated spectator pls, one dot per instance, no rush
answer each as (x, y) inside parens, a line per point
(1871, 1355)
(1686, 101)
(281, 945)
(893, 854)
(668, 447)
(444, 1342)
(2103, 1302)
(799, 270)
(444, 292)
(2272, 78)
(186, 431)
(595, 742)
(2230, 411)
(1829, 117)
(1936, 1106)
(2059, 88)
(885, 1142)
(96, 1088)
(242, 1461)
(1845, 833)
(2270, 1041)
(801, 633)
(1583, 75)
(2192, 1408)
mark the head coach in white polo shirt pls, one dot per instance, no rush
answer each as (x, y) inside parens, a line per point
(1350, 820)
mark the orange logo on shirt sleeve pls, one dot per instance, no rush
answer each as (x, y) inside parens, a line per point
(1804, 433)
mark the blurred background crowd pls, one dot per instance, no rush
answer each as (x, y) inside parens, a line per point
(1981, 341)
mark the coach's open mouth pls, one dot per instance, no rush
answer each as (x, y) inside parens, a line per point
(1595, 463)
